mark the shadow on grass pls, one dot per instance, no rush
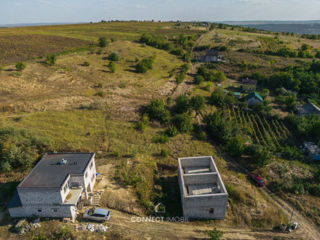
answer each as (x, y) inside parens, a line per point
(169, 196)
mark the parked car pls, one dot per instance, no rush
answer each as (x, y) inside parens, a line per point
(257, 179)
(294, 226)
(97, 214)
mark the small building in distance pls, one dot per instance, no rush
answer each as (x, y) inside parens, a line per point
(253, 98)
(308, 108)
(249, 85)
(312, 150)
(55, 186)
(203, 194)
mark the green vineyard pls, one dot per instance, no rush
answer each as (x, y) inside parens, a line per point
(267, 132)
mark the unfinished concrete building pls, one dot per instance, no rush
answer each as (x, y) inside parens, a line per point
(203, 194)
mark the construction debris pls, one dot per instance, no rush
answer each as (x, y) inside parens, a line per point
(24, 226)
(91, 227)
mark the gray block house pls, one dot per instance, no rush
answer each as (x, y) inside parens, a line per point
(55, 186)
(203, 194)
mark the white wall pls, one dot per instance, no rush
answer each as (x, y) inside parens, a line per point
(39, 196)
(52, 211)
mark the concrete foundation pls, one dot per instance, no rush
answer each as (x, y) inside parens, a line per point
(203, 194)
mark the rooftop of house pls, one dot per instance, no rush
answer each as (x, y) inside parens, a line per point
(254, 95)
(53, 169)
(308, 108)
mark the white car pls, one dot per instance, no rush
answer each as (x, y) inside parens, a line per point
(97, 214)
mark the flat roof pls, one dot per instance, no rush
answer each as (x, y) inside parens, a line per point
(49, 173)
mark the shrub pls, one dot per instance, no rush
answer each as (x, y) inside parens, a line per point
(19, 149)
(260, 156)
(172, 131)
(198, 79)
(102, 42)
(183, 123)
(236, 146)
(178, 52)
(164, 153)
(86, 64)
(100, 94)
(112, 67)
(20, 66)
(144, 65)
(1, 68)
(154, 41)
(215, 234)
(182, 104)
(143, 123)
(157, 111)
(180, 77)
(197, 103)
(217, 97)
(161, 138)
(114, 57)
(51, 59)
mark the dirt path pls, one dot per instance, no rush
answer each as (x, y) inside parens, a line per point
(133, 227)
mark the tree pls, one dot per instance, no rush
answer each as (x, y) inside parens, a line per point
(217, 97)
(102, 42)
(262, 108)
(183, 123)
(236, 146)
(20, 66)
(198, 79)
(157, 111)
(197, 103)
(51, 59)
(182, 104)
(112, 67)
(259, 156)
(114, 57)
(144, 65)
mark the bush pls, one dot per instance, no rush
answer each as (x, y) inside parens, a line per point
(236, 146)
(197, 103)
(51, 60)
(183, 123)
(144, 65)
(162, 138)
(112, 67)
(19, 149)
(178, 51)
(114, 57)
(154, 41)
(198, 79)
(143, 123)
(260, 156)
(102, 42)
(217, 97)
(100, 94)
(219, 128)
(157, 111)
(180, 77)
(182, 104)
(172, 131)
(86, 64)
(215, 234)
(164, 153)
(20, 66)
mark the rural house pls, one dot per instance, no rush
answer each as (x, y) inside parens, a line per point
(55, 186)
(253, 98)
(312, 150)
(308, 108)
(203, 194)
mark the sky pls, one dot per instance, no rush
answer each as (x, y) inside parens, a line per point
(55, 11)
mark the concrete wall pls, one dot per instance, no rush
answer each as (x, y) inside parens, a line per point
(200, 178)
(90, 176)
(39, 196)
(199, 207)
(59, 211)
